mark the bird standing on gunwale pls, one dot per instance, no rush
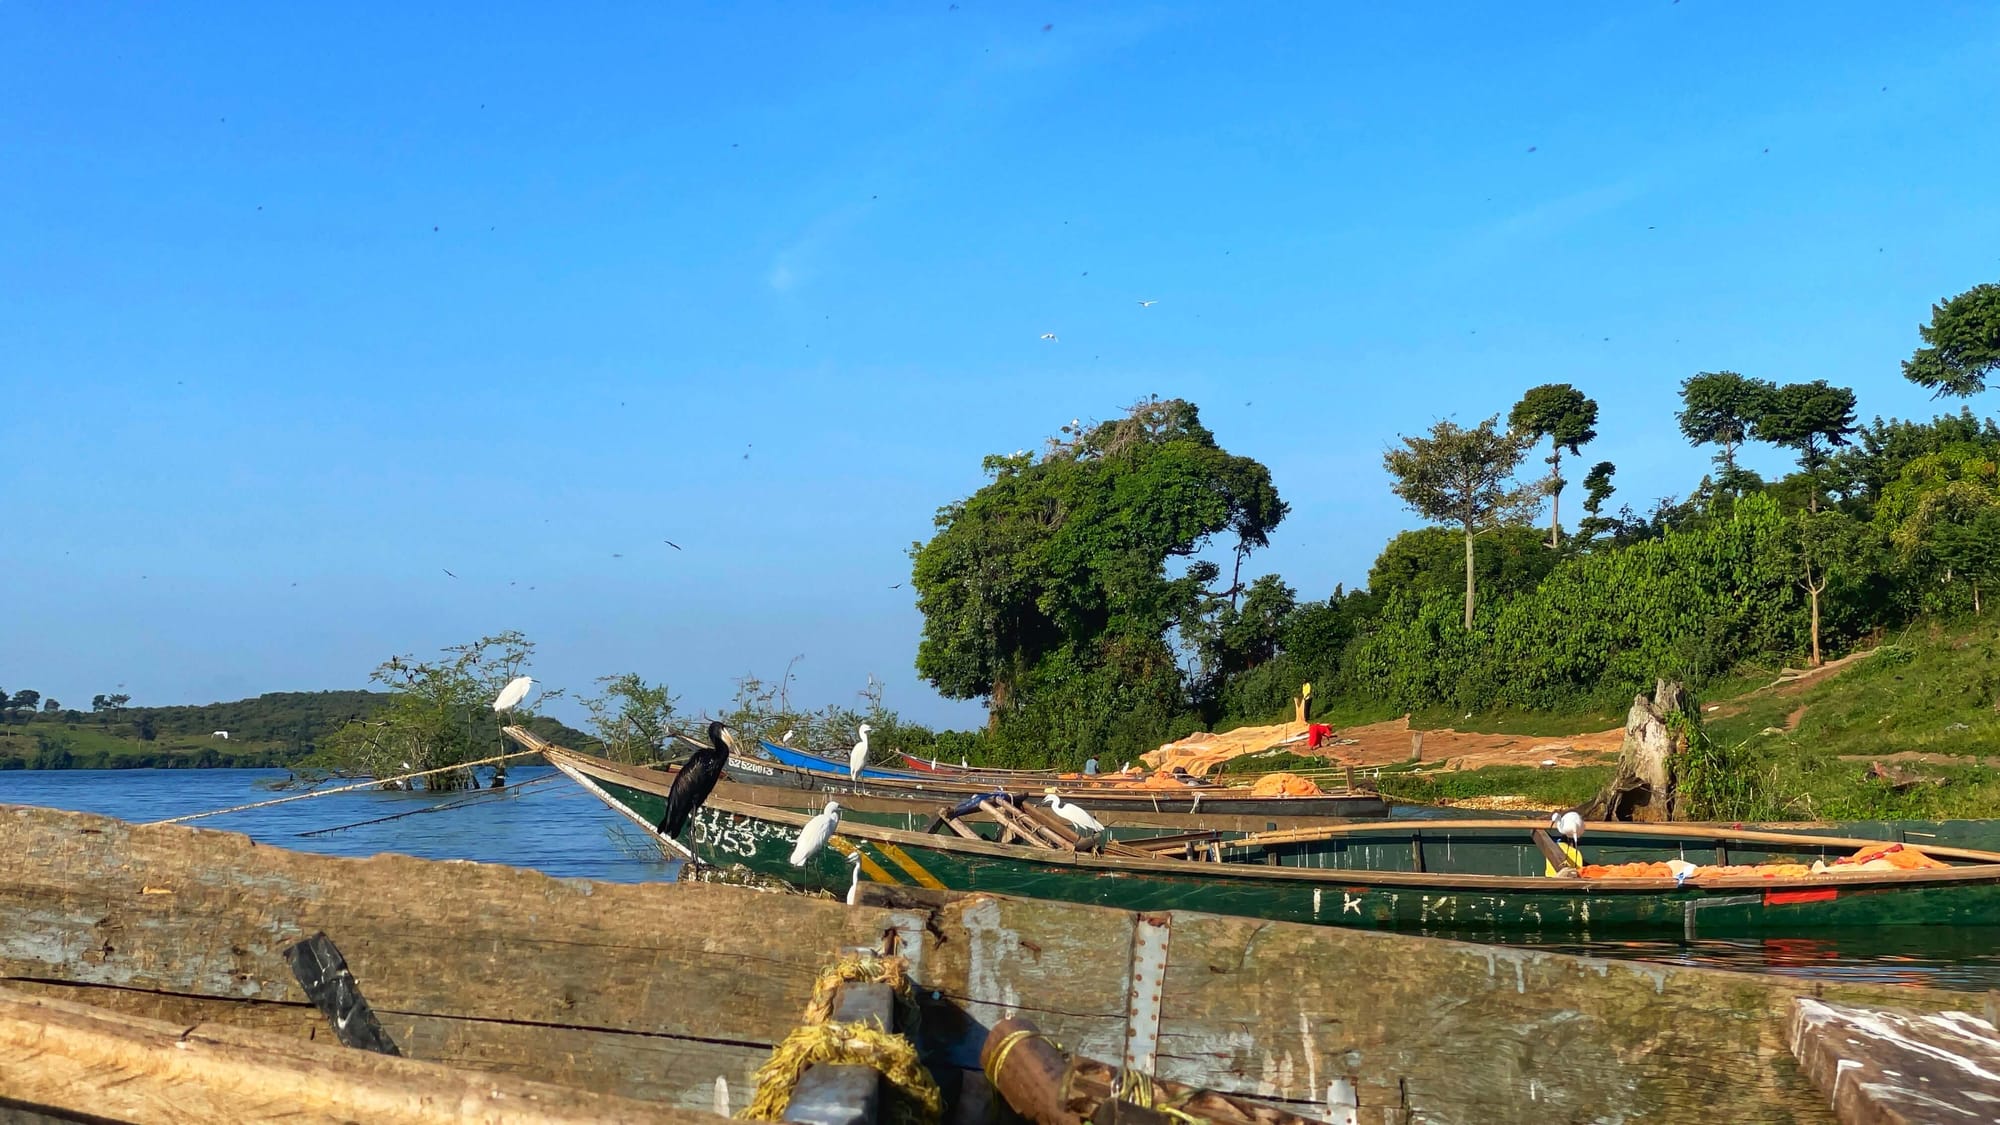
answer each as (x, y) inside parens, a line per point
(858, 757)
(815, 834)
(1568, 825)
(696, 779)
(1083, 820)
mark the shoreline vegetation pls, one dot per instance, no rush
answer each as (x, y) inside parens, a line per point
(1097, 593)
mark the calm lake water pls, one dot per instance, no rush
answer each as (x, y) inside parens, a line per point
(543, 821)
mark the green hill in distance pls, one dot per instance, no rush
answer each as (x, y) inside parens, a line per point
(275, 729)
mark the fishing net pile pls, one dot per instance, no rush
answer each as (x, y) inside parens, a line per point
(1875, 857)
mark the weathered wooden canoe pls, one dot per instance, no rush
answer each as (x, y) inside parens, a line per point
(1462, 878)
(1100, 797)
(653, 991)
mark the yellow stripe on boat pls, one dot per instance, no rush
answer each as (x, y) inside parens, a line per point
(910, 867)
(875, 872)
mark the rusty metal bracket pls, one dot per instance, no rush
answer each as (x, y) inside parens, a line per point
(1145, 984)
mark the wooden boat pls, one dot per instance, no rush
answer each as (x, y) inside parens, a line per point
(932, 765)
(652, 991)
(1484, 878)
(1100, 796)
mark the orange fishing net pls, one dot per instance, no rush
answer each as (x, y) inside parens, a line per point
(1875, 857)
(1285, 785)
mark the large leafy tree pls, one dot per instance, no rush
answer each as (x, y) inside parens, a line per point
(1943, 509)
(1720, 408)
(439, 714)
(1076, 565)
(1810, 419)
(1962, 344)
(1562, 414)
(1465, 477)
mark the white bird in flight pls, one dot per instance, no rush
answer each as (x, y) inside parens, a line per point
(1147, 304)
(1050, 337)
(858, 757)
(1083, 820)
(511, 696)
(815, 834)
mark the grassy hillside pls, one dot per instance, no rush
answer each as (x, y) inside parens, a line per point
(275, 729)
(1926, 706)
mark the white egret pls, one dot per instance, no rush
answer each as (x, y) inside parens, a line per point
(1148, 304)
(854, 883)
(1050, 337)
(815, 834)
(1083, 821)
(787, 740)
(1568, 825)
(721, 1096)
(516, 690)
(858, 757)
(961, 763)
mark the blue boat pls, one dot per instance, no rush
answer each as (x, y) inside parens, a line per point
(820, 764)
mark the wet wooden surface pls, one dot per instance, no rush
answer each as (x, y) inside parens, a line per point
(1886, 1067)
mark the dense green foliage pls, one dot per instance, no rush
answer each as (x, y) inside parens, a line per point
(1056, 591)
(1962, 344)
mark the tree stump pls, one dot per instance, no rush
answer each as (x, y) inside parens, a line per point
(1656, 733)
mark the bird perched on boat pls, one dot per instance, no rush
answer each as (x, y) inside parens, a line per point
(815, 834)
(696, 779)
(858, 757)
(961, 763)
(1567, 824)
(1084, 821)
(787, 740)
(854, 883)
(511, 696)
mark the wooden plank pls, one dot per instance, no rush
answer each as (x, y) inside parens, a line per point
(1878, 1067)
(206, 914)
(1555, 855)
(70, 1058)
(1447, 1031)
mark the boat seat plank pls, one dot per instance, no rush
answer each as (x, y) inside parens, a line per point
(1898, 1068)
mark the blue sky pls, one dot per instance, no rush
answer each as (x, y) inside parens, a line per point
(298, 311)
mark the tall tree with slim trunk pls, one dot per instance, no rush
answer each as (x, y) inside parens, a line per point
(1809, 418)
(1962, 344)
(1720, 408)
(1463, 476)
(1561, 413)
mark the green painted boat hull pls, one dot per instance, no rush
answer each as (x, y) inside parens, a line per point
(1558, 908)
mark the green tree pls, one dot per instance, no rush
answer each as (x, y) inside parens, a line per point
(24, 702)
(1238, 638)
(1597, 488)
(1810, 419)
(1053, 579)
(1561, 413)
(1942, 509)
(439, 714)
(634, 719)
(1427, 561)
(1464, 477)
(1962, 344)
(50, 706)
(1720, 408)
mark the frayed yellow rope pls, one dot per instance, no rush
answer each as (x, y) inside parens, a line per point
(914, 1100)
(1007, 1045)
(1137, 1088)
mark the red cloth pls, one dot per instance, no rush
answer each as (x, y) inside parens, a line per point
(1317, 733)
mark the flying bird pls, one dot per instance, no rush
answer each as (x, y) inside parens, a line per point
(696, 779)
(858, 757)
(671, 543)
(1083, 821)
(1050, 337)
(516, 690)
(815, 834)
(448, 574)
(897, 586)
(1148, 304)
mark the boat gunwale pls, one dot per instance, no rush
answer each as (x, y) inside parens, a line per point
(1982, 866)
